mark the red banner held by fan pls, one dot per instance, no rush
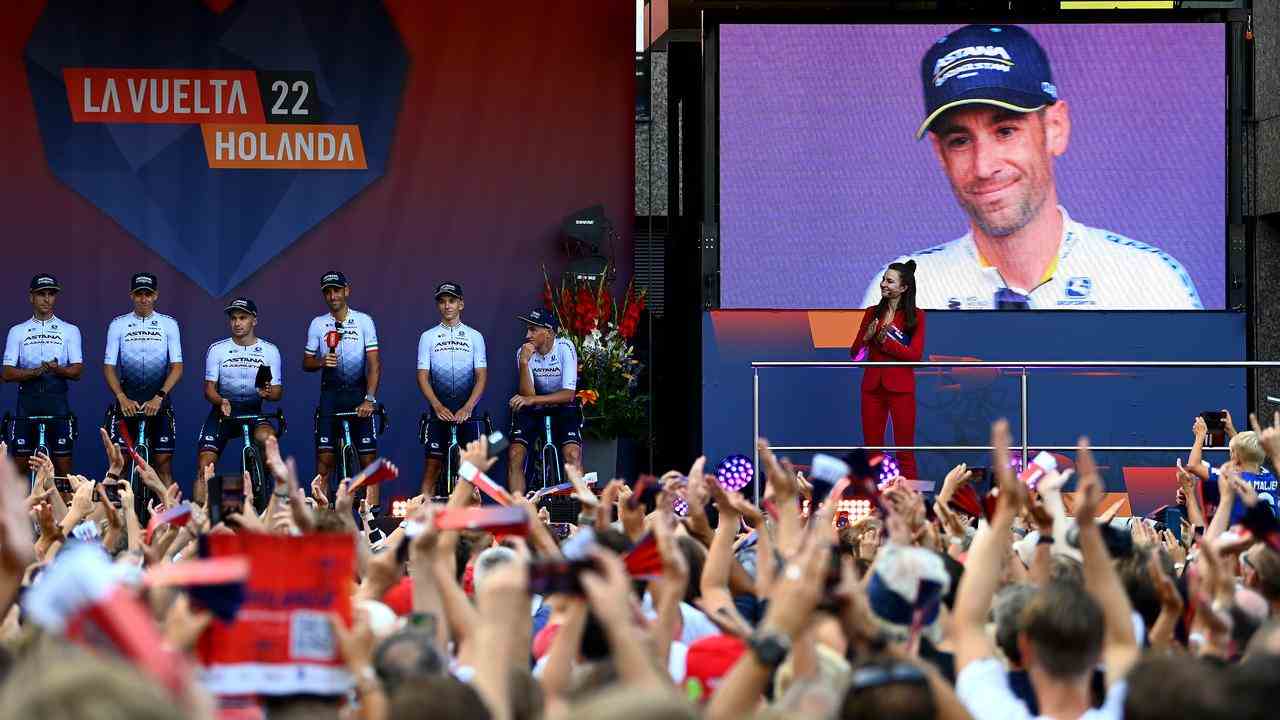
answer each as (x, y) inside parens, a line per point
(281, 642)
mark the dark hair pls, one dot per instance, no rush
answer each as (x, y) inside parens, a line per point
(447, 697)
(904, 699)
(907, 304)
(407, 655)
(1065, 626)
(1178, 686)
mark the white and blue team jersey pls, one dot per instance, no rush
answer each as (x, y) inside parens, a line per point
(451, 356)
(555, 371)
(1264, 483)
(235, 368)
(141, 349)
(358, 337)
(35, 342)
(1095, 270)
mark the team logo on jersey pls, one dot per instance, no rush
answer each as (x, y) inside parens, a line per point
(1079, 287)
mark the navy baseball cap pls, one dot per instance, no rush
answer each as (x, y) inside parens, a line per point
(45, 281)
(242, 304)
(142, 281)
(333, 278)
(449, 288)
(999, 65)
(541, 318)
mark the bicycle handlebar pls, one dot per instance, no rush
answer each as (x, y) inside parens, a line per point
(46, 418)
(379, 410)
(278, 416)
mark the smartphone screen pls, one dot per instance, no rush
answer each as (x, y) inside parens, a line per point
(231, 495)
(1173, 517)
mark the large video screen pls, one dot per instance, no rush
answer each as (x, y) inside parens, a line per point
(1057, 166)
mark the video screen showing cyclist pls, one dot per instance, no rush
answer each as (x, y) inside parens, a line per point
(231, 370)
(41, 355)
(452, 371)
(342, 345)
(548, 384)
(142, 365)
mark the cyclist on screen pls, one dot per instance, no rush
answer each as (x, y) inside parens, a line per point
(231, 371)
(548, 384)
(41, 355)
(452, 371)
(142, 365)
(343, 345)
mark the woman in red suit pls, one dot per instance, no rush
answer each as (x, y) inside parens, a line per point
(892, 330)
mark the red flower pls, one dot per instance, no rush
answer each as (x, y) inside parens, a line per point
(547, 297)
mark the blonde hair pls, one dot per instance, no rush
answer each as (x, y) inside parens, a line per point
(1246, 446)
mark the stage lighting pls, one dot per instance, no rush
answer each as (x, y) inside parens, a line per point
(734, 472)
(888, 468)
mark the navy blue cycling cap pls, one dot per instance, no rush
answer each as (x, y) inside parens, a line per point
(333, 278)
(45, 281)
(1000, 65)
(142, 281)
(541, 318)
(449, 288)
(242, 304)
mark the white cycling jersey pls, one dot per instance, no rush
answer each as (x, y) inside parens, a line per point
(555, 371)
(451, 356)
(1095, 270)
(38, 341)
(235, 368)
(358, 337)
(141, 349)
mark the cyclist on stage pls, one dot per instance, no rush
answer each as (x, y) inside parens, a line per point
(142, 365)
(231, 370)
(41, 355)
(452, 372)
(349, 375)
(548, 384)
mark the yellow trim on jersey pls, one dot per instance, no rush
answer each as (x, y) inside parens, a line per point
(1046, 277)
(924, 126)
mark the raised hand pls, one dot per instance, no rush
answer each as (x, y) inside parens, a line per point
(317, 491)
(115, 458)
(581, 490)
(82, 501)
(1012, 491)
(477, 453)
(44, 471)
(781, 481)
(955, 479)
(1269, 437)
(149, 476)
(343, 500)
(1198, 427)
(1089, 488)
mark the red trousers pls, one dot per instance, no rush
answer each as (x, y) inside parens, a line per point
(877, 407)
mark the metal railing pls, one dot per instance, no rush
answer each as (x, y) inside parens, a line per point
(1021, 367)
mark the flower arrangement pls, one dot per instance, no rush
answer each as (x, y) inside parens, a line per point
(601, 330)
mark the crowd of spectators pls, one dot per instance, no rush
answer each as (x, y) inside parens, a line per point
(675, 598)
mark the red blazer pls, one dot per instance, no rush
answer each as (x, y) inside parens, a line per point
(892, 379)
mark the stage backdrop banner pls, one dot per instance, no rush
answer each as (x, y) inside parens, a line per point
(244, 147)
